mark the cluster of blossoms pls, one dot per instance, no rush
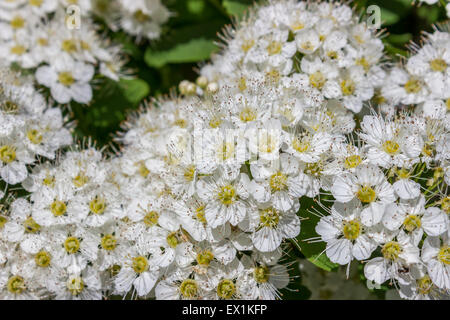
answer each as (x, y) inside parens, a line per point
(319, 47)
(59, 41)
(205, 194)
(431, 2)
(29, 128)
(142, 19)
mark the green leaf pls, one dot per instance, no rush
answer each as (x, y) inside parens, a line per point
(235, 8)
(389, 17)
(193, 51)
(134, 90)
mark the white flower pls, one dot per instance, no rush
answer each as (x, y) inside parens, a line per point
(436, 256)
(370, 186)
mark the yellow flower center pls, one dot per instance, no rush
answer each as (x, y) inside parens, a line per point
(391, 250)
(261, 274)
(143, 171)
(49, 181)
(332, 55)
(66, 78)
(16, 285)
(274, 47)
(72, 245)
(7, 154)
(348, 87)
(447, 103)
(314, 169)
(444, 255)
(445, 205)
(200, 214)
(42, 259)
(269, 217)
(352, 161)
(75, 285)
(278, 181)
(151, 218)
(3, 221)
(18, 50)
(182, 123)
(58, 208)
(227, 194)
(226, 289)
(351, 229)
(31, 226)
(242, 83)
(403, 173)
(172, 240)
(438, 65)
(273, 76)
(363, 63)
(43, 42)
(189, 288)
(85, 46)
(215, 122)
(247, 114)
(225, 150)
(9, 106)
(97, 205)
(205, 257)
(317, 80)
(297, 26)
(366, 194)
(109, 242)
(140, 264)
(412, 222)
(141, 16)
(378, 98)
(413, 86)
(428, 149)
(391, 147)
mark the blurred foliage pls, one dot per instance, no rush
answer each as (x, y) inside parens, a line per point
(189, 39)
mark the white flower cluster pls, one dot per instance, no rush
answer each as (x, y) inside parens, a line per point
(142, 19)
(62, 47)
(29, 128)
(319, 47)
